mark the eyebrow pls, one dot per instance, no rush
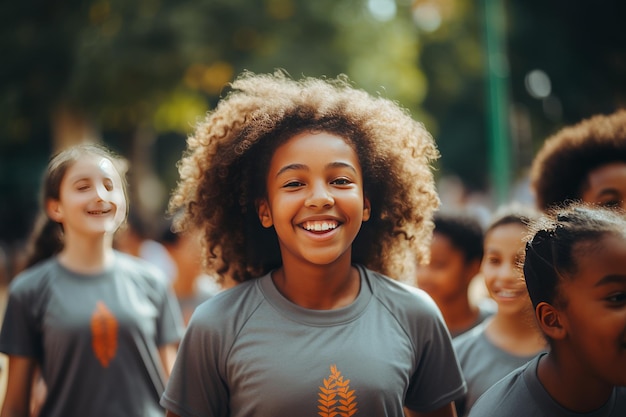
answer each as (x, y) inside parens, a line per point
(609, 191)
(611, 279)
(78, 178)
(293, 167)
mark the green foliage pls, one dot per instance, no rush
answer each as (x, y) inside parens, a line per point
(146, 70)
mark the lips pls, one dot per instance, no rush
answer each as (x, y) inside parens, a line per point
(98, 212)
(509, 293)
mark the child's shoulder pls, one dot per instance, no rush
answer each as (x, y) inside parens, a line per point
(470, 338)
(620, 399)
(34, 276)
(399, 296)
(236, 303)
(139, 268)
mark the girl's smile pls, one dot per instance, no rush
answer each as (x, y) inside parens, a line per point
(500, 268)
(91, 199)
(315, 198)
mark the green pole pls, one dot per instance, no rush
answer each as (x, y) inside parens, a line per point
(497, 72)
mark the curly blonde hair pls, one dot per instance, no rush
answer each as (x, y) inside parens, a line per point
(561, 168)
(224, 169)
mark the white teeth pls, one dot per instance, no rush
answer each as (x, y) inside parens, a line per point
(319, 226)
(506, 293)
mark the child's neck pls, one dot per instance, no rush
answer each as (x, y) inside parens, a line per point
(87, 256)
(516, 335)
(569, 387)
(459, 314)
(319, 288)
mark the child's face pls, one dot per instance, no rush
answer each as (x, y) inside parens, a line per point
(595, 313)
(503, 277)
(447, 276)
(91, 198)
(606, 185)
(314, 199)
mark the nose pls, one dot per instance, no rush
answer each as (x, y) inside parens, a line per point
(320, 196)
(101, 192)
(510, 272)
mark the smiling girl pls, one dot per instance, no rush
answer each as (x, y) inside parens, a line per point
(308, 192)
(575, 268)
(510, 337)
(102, 326)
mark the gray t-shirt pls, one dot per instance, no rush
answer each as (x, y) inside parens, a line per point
(248, 351)
(96, 337)
(483, 364)
(520, 394)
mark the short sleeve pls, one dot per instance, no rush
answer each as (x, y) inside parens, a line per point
(20, 334)
(196, 387)
(170, 326)
(438, 379)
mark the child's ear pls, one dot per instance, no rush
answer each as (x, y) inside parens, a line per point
(53, 210)
(367, 209)
(264, 213)
(550, 321)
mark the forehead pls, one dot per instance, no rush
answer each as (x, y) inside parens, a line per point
(610, 176)
(442, 246)
(443, 242)
(505, 236)
(602, 258)
(310, 147)
(90, 166)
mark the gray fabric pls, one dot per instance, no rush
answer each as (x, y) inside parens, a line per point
(520, 394)
(248, 351)
(96, 337)
(483, 364)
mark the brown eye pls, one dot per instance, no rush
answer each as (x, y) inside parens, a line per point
(611, 203)
(342, 181)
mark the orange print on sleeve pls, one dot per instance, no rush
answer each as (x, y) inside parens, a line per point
(103, 334)
(335, 397)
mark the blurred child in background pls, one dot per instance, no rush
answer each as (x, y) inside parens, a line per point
(456, 252)
(101, 326)
(585, 162)
(509, 338)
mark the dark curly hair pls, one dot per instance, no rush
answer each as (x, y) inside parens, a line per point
(224, 169)
(464, 232)
(561, 167)
(558, 239)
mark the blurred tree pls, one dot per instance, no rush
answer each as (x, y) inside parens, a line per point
(452, 58)
(138, 74)
(568, 61)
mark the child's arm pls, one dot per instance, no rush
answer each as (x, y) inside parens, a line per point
(445, 411)
(19, 386)
(168, 355)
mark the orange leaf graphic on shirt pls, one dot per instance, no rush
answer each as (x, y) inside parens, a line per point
(335, 397)
(103, 334)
